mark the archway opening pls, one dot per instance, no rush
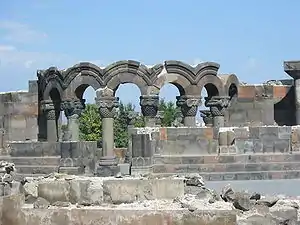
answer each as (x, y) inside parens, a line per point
(232, 91)
(89, 120)
(167, 105)
(207, 92)
(128, 112)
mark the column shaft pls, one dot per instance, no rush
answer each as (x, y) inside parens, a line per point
(73, 109)
(48, 109)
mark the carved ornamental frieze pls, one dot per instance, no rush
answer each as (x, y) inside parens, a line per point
(48, 108)
(188, 105)
(107, 106)
(217, 104)
(149, 105)
(73, 107)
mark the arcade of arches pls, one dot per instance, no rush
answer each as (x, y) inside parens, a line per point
(62, 90)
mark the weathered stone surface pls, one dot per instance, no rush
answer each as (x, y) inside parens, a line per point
(54, 191)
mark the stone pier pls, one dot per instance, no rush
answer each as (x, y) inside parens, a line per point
(107, 109)
(49, 110)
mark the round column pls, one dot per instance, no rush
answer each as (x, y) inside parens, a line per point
(48, 109)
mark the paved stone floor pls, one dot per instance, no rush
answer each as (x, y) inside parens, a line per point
(266, 187)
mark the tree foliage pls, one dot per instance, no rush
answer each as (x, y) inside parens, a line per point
(90, 121)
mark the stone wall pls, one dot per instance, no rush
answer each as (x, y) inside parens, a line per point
(263, 105)
(18, 114)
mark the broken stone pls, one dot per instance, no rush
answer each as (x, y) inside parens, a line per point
(118, 175)
(255, 196)
(61, 204)
(289, 203)
(29, 199)
(194, 180)
(41, 203)
(242, 201)
(268, 201)
(7, 178)
(227, 194)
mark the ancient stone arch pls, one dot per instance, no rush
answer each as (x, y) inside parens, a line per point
(71, 83)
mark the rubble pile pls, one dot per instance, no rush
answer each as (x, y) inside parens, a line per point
(187, 193)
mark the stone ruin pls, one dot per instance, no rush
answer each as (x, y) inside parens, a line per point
(251, 133)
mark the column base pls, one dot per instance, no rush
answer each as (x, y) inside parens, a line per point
(107, 167)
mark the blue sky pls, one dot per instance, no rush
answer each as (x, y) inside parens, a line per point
(248, 38)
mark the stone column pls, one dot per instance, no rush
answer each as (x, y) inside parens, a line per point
(73, 109)
(188, 105)
(292, 68)
(48, 109)
(107, 109)
(218, 106)
(149, 106)
(207, 117)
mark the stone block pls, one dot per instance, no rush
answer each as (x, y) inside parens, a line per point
(246, 92)
(29, 148)
(237, 116)
(285, 132)
(167, 188)
(254, 115)
(134, 216)
(11, 209)
(107, 170)
(282, 146)
(126, 191)
(258, 146)
(244, 146)
(54, 191)
(280, 91)
(241, 132)
(223, 138)
(124, 168)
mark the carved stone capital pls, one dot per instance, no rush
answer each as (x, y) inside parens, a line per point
(217, 104)
(48, 108)
(149, 105)
(159, 117)
(73, 107)
(207, 117)
(131, 118)
(188, 104)
(107, 106)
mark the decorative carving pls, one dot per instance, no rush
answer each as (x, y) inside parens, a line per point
(131, 118)
(207, 117)
(188, 104)
(73, 107)
(107, 106)
(217, 104)
(47, 106)
(159, 117)
(193, 74)
(149, 105)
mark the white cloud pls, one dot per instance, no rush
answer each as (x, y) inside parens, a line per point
(12, 57)
(19, 32)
